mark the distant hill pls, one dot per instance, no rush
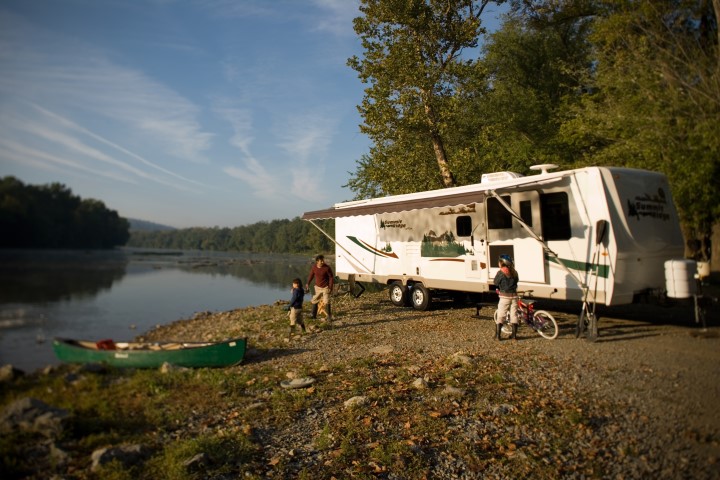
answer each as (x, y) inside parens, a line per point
(145, 226)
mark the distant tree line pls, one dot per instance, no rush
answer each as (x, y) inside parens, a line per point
(277, 236)
(50, 216)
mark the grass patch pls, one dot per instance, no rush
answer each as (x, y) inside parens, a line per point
(213, 455)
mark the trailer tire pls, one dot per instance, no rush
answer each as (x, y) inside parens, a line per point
(398, 294)
(420, 297)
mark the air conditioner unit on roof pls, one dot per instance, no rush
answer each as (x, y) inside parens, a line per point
(499, 177)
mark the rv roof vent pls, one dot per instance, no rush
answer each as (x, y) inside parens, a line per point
(498, 177)
(544, 168)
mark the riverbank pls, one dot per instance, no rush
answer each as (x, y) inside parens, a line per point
(399, 394)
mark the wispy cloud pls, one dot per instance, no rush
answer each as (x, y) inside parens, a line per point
(241, 122)
(60, 142)
(49, 69)
(263, 184)
(306, 139)
(302, 140)
(235, 9)
(252, 172)
(337, 16)
(22, 154)
(74, 126)
(332, 16)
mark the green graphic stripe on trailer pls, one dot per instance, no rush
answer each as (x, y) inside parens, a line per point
(602, 270)
(372, 250)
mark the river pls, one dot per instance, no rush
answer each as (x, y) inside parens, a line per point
(123, 293)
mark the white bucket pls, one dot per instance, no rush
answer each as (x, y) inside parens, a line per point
(680, 278)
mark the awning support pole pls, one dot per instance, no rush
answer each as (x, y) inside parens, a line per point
(546, 249)
(586, 312)
(337, 244)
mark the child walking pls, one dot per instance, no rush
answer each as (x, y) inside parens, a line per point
(296, 303)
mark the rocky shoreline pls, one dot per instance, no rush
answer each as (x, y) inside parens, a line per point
(397, 393)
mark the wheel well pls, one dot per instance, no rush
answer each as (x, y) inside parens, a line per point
(408, 283)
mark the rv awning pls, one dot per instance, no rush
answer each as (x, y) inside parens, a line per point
(371, 208)
(405, 203)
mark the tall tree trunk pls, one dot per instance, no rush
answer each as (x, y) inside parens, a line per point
(440, 156)
(447, 176)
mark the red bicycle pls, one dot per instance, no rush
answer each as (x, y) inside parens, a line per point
(539, 320)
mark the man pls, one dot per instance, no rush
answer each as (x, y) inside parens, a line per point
(324, 280)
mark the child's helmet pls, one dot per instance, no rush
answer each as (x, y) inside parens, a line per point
(506, 259)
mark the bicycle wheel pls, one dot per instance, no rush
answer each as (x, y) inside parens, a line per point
(545, 325)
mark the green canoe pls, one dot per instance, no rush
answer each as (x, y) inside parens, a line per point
(151, 354)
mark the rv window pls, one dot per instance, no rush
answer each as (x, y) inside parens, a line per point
(555, 216)
(498, 216)
(464, 226)
(526, 212)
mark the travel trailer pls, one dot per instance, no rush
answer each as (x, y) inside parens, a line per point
(595, 234)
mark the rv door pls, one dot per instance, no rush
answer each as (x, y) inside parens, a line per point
(506, 234)
(471, 230)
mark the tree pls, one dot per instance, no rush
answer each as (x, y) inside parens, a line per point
(413, 64)
(533, 71)
(50, 216)
(654, 102)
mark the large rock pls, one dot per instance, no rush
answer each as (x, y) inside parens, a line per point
(420, 383)
(450, 391)
(382, 349)
(198, 463)
(127, 455)
(355, 401)
(459, 359)
(8, 373)
(32, 415)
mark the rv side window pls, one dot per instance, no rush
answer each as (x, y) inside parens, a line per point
(463, 226)
(555, 216)
(526, 212)
(498, 216)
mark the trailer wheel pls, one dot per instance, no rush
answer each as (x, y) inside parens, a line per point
(398, 294)
(420, 297)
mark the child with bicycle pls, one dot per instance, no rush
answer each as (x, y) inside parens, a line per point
(506, 282)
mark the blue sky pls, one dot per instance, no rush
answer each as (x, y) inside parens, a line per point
(183, 112)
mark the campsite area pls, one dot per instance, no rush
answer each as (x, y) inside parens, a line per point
(400, 393)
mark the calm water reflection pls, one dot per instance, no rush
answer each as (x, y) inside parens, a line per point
(122, 294)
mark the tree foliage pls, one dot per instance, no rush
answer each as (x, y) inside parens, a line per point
(277, 236)
(655, 102)
(412, 62)
(630, 83)
(533, 74)
(50, 216)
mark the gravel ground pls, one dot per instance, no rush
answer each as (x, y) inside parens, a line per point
(646, 391)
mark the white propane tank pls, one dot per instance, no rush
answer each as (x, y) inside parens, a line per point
(680, 278)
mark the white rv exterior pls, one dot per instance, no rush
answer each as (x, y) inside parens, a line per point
(451, 239)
